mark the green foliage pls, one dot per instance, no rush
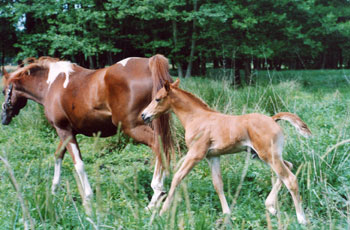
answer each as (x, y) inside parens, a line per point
(279, 34)
(120, 171)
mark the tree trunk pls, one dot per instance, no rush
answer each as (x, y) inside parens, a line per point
(203, 68)
(248, 72)
(193, 42)
(237, 79)
(91, 63)
(177, 63)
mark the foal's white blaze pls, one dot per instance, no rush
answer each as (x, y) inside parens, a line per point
(79, 167)
(125, 61)
(59, 67)
(57, 174)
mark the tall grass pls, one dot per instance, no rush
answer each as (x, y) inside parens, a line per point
(120, 171)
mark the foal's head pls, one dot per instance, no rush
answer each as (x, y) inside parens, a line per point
(14, 101)
(161, 102)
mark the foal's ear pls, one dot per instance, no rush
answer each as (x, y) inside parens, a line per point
(176, 83)
(167, 86)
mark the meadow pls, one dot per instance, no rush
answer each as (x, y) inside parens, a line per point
(120, 171)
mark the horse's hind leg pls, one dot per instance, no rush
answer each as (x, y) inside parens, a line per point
(271, 200)
(59, 154)
(73, 149)
(214, 163)
(144, 134)
(291, 182)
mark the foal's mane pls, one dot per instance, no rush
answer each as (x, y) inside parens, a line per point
(42, 63)
(196, 99)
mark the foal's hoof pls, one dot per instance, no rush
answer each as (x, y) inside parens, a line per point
(301, 219)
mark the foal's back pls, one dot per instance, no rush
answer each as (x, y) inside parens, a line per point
(230, 133)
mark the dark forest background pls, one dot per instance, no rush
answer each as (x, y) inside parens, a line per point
(194, 35)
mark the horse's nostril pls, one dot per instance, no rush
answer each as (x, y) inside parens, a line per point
(143, 116)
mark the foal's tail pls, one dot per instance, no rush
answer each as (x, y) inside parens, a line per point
(159, 67)
(295, 121)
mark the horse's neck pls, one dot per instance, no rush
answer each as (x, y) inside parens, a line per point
(34, 88)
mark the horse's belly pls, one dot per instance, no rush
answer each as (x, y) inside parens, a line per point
(93, 125)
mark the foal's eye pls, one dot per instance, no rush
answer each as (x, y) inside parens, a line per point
(3, 92)
(158, 99)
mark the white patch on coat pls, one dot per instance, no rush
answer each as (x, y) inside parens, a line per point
(56, 68)
(125, 61)
(79, 167)
(57, 174)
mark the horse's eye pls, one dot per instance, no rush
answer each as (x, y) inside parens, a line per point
(3, 92)
(158, 99)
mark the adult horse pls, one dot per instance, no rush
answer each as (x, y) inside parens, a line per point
(83, 101)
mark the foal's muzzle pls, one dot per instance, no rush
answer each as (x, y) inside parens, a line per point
(147, 119)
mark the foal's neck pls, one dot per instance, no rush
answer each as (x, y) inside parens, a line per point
(186, 106)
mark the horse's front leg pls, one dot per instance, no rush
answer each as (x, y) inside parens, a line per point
(59, 154)
(144, 134)
(73, 149)
(157, 185)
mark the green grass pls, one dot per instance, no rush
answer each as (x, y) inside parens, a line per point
(120, 172)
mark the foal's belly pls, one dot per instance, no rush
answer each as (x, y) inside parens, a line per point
(216, 150)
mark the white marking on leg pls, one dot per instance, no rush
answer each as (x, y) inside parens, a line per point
(79, 167)
(57, 175)
(59, 67)
(125, 61)
(157, 185)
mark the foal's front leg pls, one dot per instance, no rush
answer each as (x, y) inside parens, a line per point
(194, 155)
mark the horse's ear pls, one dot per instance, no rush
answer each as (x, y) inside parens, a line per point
(4, 72)
(167, 86)
(176, 83)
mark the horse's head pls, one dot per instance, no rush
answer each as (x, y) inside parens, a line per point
(161, 103)
(14, 101)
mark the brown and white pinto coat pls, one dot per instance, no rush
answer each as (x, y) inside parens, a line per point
(211, 134)
(82, 101)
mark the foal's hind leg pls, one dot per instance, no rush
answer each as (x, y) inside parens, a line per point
(144, 134)
(271, 200)
(291, 182)
(214, 163)
(59, 154)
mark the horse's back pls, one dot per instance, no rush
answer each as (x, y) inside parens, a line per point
(129, 84)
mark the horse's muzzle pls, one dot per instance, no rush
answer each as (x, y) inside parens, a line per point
(5, 120)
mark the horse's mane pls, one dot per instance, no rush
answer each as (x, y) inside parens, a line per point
(196, 99)
(33, 63)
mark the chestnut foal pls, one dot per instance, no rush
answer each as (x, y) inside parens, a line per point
(211, 134)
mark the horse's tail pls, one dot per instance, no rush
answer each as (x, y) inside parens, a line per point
(295, 121)
(159, 67)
